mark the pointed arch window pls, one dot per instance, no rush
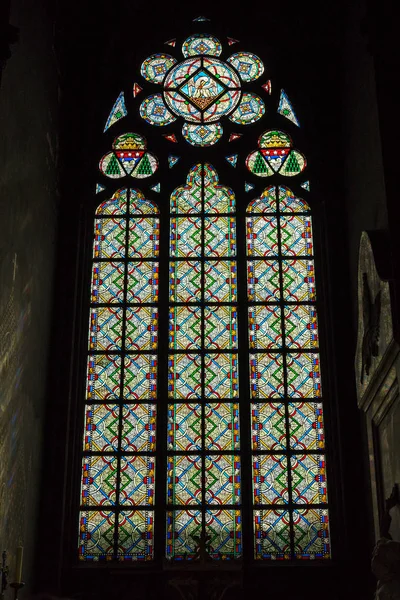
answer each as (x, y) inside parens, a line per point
(179, 418)
(118, 465)
(204, 483)
(289, 473)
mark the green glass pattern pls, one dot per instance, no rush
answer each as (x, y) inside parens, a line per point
(107, 282)
(221, 426)
(140, 375)
(99, 478)
(220, 281)
(184, 528)
(143, 238)
(137, 480)
(184, 376)
(119, 441)
(185, 281)
(184, 327)
(268, 424)
(272, 534)
(265, 327)
(101, 427)
(141, 328)
(184, 427)
(109, 240)
(135, 535)
(222, 479)
(306, 426)
(220, 327)
(308, 479)
(105, 328)
(96, 535)
(203, 437)
(263, 280)
(186, 237)
(138, 428)
(221, 378)
(184, 477)
(289, 467)
(270, 479)
(311, 534)
(225, 530)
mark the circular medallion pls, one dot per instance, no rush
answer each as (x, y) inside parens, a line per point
(154, 111)
(202, 135)
(250, 109)
(248, 65)
(200, 44)
(156, 66)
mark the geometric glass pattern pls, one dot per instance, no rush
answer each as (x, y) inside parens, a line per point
(203, 439)
(118, 461)
(290, 502)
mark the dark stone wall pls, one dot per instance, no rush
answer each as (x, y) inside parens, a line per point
(365, 195)
(28, 211)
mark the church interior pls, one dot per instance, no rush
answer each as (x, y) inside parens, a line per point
(62, 65)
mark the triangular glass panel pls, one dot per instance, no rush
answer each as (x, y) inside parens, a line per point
(248, 186)
(232, 41)
(136, 89)
(156, 188)
(285, 109)
(99, 188)
(267, 87)
(172, 160)
(197, 19)
(234, 136)
(171, 137)
(232, 159)
(305, 186)
(118, 111)
(171, 42)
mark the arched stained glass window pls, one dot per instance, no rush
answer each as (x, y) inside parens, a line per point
(120, 415)
(204, 487)
(289, 475)
(235, 390)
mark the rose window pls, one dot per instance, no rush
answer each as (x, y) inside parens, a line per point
(202, 89)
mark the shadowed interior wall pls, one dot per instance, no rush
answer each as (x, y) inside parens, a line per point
(365, 194)
(28, 209)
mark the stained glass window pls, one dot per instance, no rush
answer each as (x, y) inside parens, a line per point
(204, 485)
(209, 430)
(118, 461)
(290, 507)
